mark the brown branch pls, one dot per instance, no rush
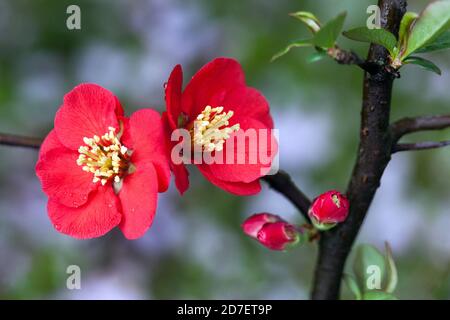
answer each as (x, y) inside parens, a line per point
(425, 145)
(374, 154)
(19, 141)
(345, 57)
(283, 183)
(425, 123)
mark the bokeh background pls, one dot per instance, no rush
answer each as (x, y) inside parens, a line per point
(195, 248)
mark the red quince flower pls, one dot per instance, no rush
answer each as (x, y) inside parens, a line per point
(328, 209)
(100, 169)
(254, 224)
(216, 107)
(272, 231)
(278, 235)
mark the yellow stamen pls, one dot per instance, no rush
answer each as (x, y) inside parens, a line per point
(211, 128)
(105, 157)
(336, 201)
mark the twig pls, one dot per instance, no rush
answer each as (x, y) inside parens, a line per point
(420, 146)
(425, 123)
(19, 141)
(342, 56)
(283, 183)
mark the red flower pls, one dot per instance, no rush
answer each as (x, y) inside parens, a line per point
(328, 209)
(216, 107)
(254, 224)
(272, 231)
(278, 236)
(100, 169)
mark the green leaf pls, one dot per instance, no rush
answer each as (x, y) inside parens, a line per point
(441, 42)
(327, 35)
(424, 63)
(378, 295)
(317, 56)
(369, 267)
(433, 21)
(307, 18)
(296, 44)
(392, 277)
(352, 285)
(378, 36)
(405, 26)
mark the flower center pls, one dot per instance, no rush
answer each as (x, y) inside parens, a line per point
(211, 128)
(105, 157)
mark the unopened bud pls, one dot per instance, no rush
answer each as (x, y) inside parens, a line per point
(328, 209)
(279, 235)
(252, 225)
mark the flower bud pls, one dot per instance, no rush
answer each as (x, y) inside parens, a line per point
(328, 209)
(252, 225)
(278, 235)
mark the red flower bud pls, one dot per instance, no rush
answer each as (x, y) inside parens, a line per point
(328, 209)
(278, 235)
(252, 225)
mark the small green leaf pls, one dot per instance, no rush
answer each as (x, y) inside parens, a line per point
(296, 44)
(317, 56)
(432, 22)
(441, 42)
(424, 63)
(352, 285)
(369, 267)
(307, 18)
(378, 295)
(327, 35)
(392, 277)
(378, 36)
(405, 27)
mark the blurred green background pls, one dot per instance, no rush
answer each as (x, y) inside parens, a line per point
(195, 248)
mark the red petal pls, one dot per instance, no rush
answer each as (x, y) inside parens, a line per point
(252, 225)
(246, 165)
(173, 96)
(179, 170)
(145, 134)
(212, 81)
(87, 110)
(62, 179)
(237, 188)
(181, 177)
(138, 196)
(277, 235)
(98, 216)
(245, 102)
(50, 142)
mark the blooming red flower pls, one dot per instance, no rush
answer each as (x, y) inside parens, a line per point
(101, 169)
(217, 106)
(328, 209)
